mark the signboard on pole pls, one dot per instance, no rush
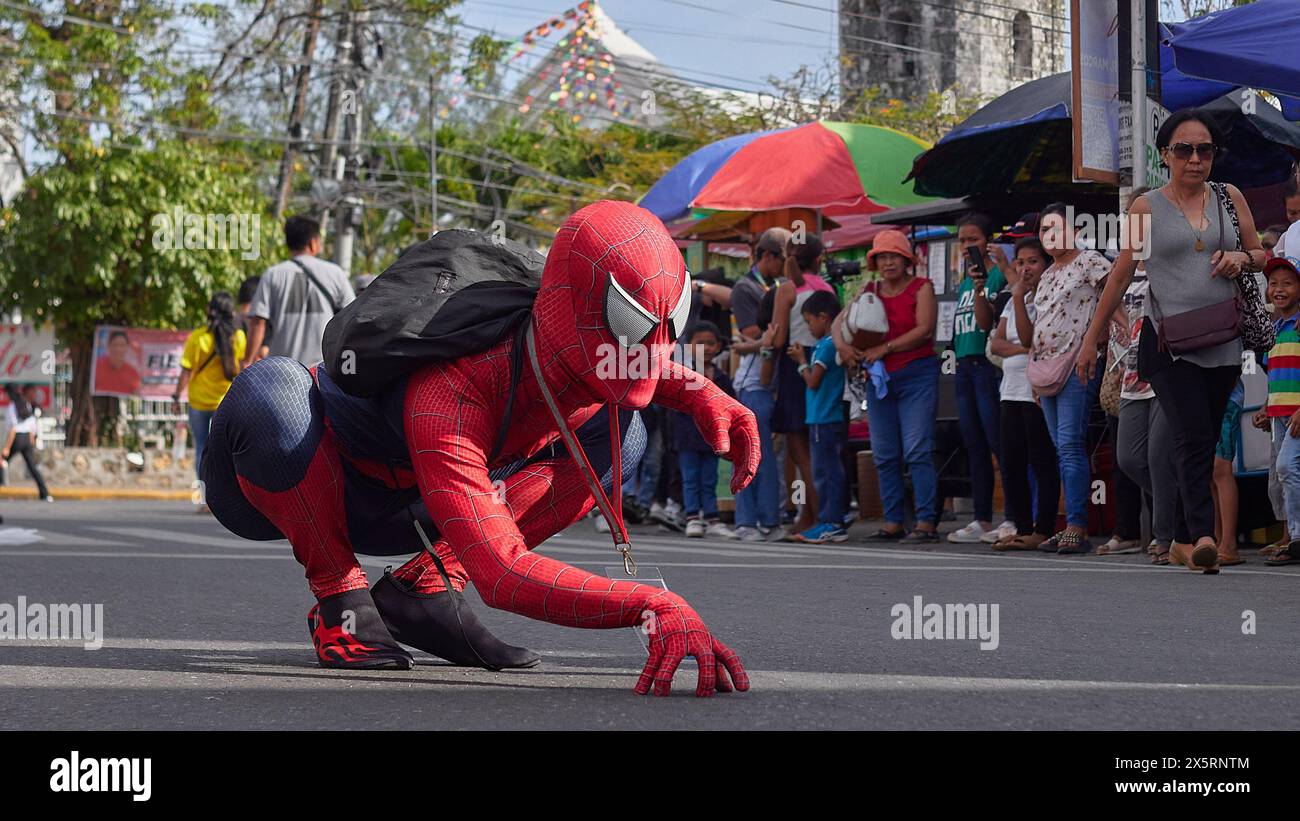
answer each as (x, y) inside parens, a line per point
(26, 354)
(1156, 174)
(1094, 63)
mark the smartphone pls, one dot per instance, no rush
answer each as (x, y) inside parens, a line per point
(975, 262)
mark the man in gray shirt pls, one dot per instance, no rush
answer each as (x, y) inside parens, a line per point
(297, 308)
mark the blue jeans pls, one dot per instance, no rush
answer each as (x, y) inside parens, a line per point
(902, 431)
(200, 421)
(979, 417)
(699, 483)
(647, 468)
(827, 445)
(1067, 422)
(760, 502)
(1288, 473)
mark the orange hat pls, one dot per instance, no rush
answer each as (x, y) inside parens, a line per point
(891, 241)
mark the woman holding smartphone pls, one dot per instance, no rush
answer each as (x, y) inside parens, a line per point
(978, 379)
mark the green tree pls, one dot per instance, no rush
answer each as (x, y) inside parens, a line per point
(82, 246)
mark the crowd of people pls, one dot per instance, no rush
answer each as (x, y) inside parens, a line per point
(1157, 338)
(1039, 338)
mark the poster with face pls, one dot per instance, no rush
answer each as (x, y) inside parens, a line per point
(136, 362)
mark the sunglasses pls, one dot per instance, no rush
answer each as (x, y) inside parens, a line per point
(1183, 151)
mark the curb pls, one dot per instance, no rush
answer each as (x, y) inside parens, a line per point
(99, 493)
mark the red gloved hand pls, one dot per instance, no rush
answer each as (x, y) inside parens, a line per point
(732, 431)
(728, 426)
(677, 631)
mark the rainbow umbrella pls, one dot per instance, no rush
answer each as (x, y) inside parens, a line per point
(839, 168)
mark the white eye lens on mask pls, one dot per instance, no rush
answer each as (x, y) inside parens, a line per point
(631, 324)
(681, 312)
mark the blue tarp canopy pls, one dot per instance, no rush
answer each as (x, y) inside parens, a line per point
(1256, 45)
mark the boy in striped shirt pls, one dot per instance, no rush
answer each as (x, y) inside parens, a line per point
(1282, 412)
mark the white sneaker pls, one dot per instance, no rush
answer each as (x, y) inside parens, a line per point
(695, 528)
(972, 533)
(718, 530)
(748, 534)
(778, 534)
(1003, 531)
(673, 508)
(656, 510)
(602, 526)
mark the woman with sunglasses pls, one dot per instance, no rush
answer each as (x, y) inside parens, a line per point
(1189, 240)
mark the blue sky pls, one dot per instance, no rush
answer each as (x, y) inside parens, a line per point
(737, 43)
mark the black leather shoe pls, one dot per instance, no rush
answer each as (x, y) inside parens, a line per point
(443, 624)
(348, 633)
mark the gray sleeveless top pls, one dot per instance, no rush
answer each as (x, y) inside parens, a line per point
(1179, 275)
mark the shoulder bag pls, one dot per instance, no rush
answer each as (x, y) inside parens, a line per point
(1203, 327)
(1257, 333)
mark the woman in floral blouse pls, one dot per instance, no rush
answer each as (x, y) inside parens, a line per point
(1064, 303)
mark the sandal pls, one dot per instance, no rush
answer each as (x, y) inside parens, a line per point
(1051, 543)
(1072, 543)
(1027, 542)
(920, 536)
(1270, 549)
(1290, 554)
(883, 535)
(1203, 557)
(1117, 547)
(1160, 557)
(1225, 561)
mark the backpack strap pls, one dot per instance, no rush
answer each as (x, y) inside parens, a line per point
(334, 307)
(611, 509)
(206, 362)
(516, 371)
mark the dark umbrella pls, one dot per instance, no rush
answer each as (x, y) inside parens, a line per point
(1021, 143)
(1253, 45)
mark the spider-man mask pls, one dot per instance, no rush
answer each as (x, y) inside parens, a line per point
(615, 297)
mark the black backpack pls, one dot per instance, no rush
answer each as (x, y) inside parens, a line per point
(456, 293)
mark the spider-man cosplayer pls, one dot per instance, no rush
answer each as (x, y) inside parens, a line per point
(290, 455)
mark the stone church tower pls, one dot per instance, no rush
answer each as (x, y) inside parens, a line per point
(912, 47)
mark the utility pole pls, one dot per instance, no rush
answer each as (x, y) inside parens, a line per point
(329, 148)
(296, 112)
(349, 209)
(433, 153)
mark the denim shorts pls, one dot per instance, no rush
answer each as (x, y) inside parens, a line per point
(1227, 447)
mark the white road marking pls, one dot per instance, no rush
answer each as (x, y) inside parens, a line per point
(238, 675)
(155, 535)
(383, 561)
(244, 646)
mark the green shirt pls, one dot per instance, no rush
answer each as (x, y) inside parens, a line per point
(967, 338)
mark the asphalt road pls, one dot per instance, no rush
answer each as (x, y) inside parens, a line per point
(207, 631)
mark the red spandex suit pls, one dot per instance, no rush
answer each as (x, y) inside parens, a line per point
(291, 456)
